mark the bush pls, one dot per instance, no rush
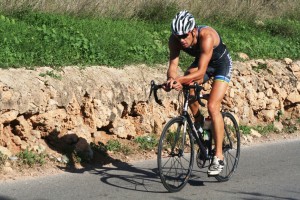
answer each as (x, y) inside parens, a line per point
(147, 142)
(113, 145)
(31, 158)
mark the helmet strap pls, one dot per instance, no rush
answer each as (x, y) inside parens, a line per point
(193, 37)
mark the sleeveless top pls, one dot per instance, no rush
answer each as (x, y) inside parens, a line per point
(219, 51)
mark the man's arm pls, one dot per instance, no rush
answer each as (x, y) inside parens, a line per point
(206, 46)
(173, 59)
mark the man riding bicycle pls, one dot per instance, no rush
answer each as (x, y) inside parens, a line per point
(212, 59)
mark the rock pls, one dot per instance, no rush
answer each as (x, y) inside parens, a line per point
(295, 67)
(255, 133)
(36, 133)
(8, 116)
(244, 70)
(7, 170)
(288, 61)
(278, 125)
(17, 140)
(293, 97)
(13, 158)
(39, 148)
(5, 151)
(123, 128)
(158, 125)
(65, 159)
(101, 136)
(23, 129)
(260, 61)
(243, 56)
(99, 103)
(267, 115)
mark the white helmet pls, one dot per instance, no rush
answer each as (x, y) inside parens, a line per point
(183, 23)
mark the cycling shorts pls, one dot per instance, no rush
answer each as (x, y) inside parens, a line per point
(220, 69)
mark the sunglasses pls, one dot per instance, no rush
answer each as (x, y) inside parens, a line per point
(182, 36)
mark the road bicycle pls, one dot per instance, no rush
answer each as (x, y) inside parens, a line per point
(175, 156)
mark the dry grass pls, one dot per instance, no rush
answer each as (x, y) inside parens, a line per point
(258, 9)
(249, 9)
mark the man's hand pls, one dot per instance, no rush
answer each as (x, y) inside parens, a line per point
(167, 84)
(166, 87)
(176, 85)
(172, 84)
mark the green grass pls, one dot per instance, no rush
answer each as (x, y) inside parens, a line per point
(30, 39)
(3, 159)
(147, 142)
(262, 129)
(246, 130)
(116, 146)
(50, 73)
(113, 145)
(270, 40)
(31, 158)
(260, 67)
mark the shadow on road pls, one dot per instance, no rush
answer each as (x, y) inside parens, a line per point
(126, 176)
(111, 171)
(5, 198)
(258, 195)
(133, 177)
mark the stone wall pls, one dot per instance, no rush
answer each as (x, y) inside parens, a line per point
(43, 109)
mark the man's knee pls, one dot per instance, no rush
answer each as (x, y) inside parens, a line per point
(213, 108)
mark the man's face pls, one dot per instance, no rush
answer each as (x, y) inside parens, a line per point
(186, 39)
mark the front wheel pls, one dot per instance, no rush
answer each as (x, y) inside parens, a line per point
(175, 156)
(231, 147)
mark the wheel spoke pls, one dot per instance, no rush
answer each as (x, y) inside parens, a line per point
(231, 147)
(175, 155)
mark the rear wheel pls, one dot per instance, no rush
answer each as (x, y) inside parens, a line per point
(175, 154)
(231, 147)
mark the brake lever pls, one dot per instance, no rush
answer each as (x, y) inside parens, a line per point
(198, 88)
(154, 89)
(151, 89)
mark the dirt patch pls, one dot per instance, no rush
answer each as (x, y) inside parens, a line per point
(15, 172)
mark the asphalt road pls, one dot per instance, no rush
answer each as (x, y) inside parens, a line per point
(268, 171)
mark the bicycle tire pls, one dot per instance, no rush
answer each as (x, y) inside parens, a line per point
(231, 147)
(175, 158)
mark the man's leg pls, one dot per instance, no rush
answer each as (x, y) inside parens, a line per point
(214, 106)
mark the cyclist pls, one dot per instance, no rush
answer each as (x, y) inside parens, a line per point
(212, 59)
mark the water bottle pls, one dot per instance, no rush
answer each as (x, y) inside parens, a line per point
(198, 127)
(207, 129)
(206, 134)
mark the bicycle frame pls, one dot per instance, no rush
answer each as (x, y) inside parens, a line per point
(174, 167)
(187, 120)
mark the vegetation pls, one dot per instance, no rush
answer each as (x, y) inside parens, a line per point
(30, 158)
(116, 146)
(113, 145)
(262, 129)
(147, 142)
(51, 74)
(3, 159)
(59, 33)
